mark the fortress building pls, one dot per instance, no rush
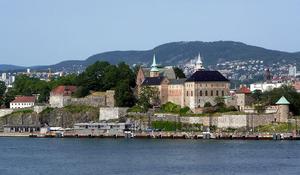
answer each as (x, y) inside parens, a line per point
(201, 87)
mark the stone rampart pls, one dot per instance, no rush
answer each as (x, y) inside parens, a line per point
(110, 113)
(4, 112)
(222, 121)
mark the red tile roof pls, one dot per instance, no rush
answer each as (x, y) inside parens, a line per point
(244, 90)
(64, 90)
(24, 99)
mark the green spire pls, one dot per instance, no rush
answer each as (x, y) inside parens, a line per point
(154, 65)
(282, 101)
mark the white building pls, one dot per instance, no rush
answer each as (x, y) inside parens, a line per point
(293, 71)
(3, 76)
(22, 102)
(265, 86)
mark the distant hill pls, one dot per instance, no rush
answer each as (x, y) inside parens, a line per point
(177, 53)
(8, 67)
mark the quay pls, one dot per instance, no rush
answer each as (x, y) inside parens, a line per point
(163, 135)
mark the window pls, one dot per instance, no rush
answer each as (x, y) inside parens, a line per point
(222, 93)
(217, 93)
(187, 93)
(206, 94)
(191, 93)
(211, 93)
(200, 93)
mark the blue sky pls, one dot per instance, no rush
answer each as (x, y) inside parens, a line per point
(39, 32)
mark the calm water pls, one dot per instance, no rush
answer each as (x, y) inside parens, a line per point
(147, 157)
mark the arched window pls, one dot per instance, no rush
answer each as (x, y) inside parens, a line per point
(217, 93)
(206, 94)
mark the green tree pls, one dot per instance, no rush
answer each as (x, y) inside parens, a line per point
(148, 97)
(179, 72)
(2, 88)
(219, 101)
(124, 94)
(9, 96)
(28, 86)
(2, 91)
(271, 97)
(81, 91)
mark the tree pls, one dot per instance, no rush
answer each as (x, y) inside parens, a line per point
(271, 97)
(124, 95)
(148, 97)
(9, 96)
(2, 88)
(219, 101)
(257, 94)
(179, 72)
(28, 86)
(2, 91)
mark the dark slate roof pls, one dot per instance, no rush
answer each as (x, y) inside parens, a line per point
(178, 81)
(152, 81)
(206, 76)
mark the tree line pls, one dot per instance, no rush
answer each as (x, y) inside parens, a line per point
(100, 76)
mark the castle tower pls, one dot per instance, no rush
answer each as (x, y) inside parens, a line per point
(283, 109)
(199, 65)
(154, 72)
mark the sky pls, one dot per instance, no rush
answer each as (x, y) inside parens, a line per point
(35, 32)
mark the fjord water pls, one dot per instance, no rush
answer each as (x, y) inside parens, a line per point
(147, 156)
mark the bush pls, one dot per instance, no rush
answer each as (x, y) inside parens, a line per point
(184, 110)
(173, 108)
(135, 108)
(223, 109)
(47, 110)
(207, 104)
(170, 107)
(166, 125)
(173, 126)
